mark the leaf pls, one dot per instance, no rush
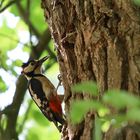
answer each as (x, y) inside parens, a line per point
(87, 87)
(17, 62)
(120, 99)
(3, 86)
(137, 2)
(133, 114)
(103, 111)
(105, 126)
(118, 119)
(9, 38)
(80, 108)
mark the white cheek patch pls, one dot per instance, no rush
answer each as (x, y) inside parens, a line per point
(28, 69)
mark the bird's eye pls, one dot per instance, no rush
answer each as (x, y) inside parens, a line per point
(32, 63)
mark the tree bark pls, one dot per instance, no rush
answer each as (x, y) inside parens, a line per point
(96, 40)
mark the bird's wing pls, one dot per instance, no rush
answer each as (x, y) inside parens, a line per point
(48, 103)
(47, 86)
(36, 91)
(51, 95)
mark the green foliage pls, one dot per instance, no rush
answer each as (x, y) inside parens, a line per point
(35, 14)
(33, 135)
(133, 114)
(137, 2)
(120, 99)
(86, 87)
(126, 104)
(17, 63)
(3, 122)
(41, 127)
(38, 132)
(3, 86)
(8, 43)
(37, 116)
(17, 40)
(83, 107)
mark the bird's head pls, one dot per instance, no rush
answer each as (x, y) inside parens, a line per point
(33, 67)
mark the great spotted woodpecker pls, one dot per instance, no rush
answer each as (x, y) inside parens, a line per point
(43, 92)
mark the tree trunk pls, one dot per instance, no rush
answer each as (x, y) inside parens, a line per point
(96, 40)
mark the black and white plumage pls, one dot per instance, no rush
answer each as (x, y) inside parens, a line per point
(43, 92)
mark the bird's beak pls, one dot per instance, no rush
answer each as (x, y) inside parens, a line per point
(42, 60)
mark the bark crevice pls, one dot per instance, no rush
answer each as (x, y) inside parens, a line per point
(96, 40)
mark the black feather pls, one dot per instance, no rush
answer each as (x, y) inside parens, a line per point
(36, 87)
(26, 64)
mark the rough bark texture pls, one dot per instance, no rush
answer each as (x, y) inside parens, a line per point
(96, 40)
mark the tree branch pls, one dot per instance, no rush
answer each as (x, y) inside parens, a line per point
(12, 110)
(7, 5)
(26, 19)
(25, 117)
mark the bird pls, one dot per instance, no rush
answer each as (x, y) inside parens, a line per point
(43, 92)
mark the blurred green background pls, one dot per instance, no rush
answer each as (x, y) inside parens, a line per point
(22, 26)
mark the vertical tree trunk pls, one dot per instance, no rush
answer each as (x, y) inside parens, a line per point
(96, 40)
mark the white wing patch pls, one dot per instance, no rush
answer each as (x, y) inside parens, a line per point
(37, 100)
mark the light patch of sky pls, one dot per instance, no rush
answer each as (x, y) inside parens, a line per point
(7, 97)
(24, 106)
(17, 53)
(11, 19)
(9, 79)
(27, 126)
(23, 35)
(18, 70)
(1, 19)
(34, 40)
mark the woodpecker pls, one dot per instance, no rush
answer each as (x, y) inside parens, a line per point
(43, 92)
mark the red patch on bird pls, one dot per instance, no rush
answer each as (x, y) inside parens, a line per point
(55, 105)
